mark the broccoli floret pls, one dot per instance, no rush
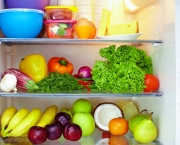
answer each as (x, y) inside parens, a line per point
(123, 70)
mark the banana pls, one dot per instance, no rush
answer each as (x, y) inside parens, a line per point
(20, 115)
(30, 120)
(7, 115)
(48, 116)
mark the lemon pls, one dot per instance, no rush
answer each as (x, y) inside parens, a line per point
(129, 109)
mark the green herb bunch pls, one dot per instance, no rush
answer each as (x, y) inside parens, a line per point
(56, 82)
(123, 69)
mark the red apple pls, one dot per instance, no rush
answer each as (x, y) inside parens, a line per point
(54, 130)
(37, 135)
(63, 118)
(72, 132)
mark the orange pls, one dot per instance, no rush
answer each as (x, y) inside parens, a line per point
(118, 140)
(85, 32)
(118, 126)
(93, 33)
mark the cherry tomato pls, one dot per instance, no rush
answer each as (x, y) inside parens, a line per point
(151, 83)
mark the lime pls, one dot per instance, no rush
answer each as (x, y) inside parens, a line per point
(129, 109)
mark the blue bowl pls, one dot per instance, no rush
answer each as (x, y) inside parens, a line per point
(21, 23)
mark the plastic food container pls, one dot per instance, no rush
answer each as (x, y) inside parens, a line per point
(61, 12)
(60, 28)
(21, 23)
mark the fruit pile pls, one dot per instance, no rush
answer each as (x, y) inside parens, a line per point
(16, 123)
(61, 125)
(82, 115)
(78, 121)
(143, 128)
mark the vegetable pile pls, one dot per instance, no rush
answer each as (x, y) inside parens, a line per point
(123, 69)
(56, 82)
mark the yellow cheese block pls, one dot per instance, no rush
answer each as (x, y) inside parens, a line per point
(104, 22)
(125, 28)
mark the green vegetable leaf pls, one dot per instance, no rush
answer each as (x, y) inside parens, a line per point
(56, 82)
(123, 70)
(63, 25)
(61, 32)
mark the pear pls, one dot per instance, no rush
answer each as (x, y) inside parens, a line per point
(145, 131)
(136, 119)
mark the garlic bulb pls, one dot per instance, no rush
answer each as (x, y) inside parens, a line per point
(8, 83)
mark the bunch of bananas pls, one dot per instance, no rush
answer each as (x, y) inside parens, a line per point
(16, 123)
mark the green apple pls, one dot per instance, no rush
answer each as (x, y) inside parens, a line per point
(82, 105)
(86, 122)
(66, 110)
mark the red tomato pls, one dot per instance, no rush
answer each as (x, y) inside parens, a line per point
(151, 83)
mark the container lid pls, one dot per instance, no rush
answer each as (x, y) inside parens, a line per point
(72, 8)
(21, 10)
(58, 21)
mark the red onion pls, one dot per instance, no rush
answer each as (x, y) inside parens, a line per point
(84, 72)
(23, 80)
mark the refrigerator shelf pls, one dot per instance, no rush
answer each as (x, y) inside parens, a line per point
(51, 41)
(78, 93)
(94, 139)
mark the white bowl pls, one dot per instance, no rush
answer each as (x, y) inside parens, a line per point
(96, 24)
(98, 9)
(84, 9)
(66, 3)
(103, 2)
(87, 16)
(84, 3)
(97, 18)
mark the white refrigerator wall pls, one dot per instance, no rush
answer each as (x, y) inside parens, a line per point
(156, 21)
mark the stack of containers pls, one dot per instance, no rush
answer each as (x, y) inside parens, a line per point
(99, 5)
(53, 2)
(66, 2)
(118, 15)
(85, 9)
(61, 21)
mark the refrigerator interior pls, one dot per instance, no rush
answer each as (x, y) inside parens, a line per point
(157, 22)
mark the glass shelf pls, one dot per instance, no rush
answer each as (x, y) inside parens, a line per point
(94, 139)
(50, 41)
(97, 93)
(84, 93)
